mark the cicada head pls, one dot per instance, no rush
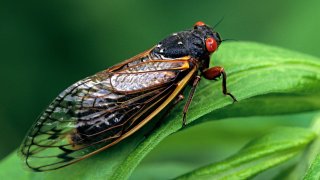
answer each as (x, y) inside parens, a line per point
(210, 38)
(199, 43)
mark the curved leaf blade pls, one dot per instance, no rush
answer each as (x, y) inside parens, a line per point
(259, 155)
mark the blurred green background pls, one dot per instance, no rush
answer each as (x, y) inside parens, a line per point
(45, 46)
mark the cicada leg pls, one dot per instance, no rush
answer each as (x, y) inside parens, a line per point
(214, 73)
(186, 106)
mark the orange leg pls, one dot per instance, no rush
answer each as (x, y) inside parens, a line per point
(214, 73)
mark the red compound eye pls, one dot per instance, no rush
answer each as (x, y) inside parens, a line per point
(199, 23)
(211, 44)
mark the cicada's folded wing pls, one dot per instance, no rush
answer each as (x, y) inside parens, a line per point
(97, 112)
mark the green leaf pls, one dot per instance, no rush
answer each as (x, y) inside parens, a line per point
(274, 74)
(314, 170)
(309, 165)
(313, 156)
(261, 154)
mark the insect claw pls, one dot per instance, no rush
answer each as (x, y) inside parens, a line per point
(184, 120)
(233, 98)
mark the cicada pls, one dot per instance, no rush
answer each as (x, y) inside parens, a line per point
(99, 111)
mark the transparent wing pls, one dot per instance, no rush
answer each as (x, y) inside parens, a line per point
(94, 114)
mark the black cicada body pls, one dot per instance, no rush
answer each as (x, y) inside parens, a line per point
(101, 110)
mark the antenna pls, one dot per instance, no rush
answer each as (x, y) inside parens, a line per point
(217, 24)
(229, 40)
